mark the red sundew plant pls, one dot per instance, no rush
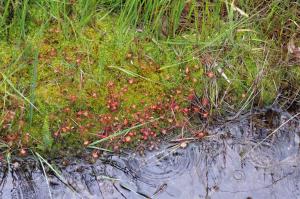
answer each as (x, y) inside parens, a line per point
(68, 58)
(78, 61)
(187, 70)
(153, 134)
(84, 113)
(200, 134)
(205, 115)
(73, 98)
(83, 130)
(66, 127)
(144, 131)
(54, 30)
(192, 97)
(94, 95)
(113, 100)
(141, 120)
(125, 122)
(56, 134)
(79, 119)
(110, 84)
(196, 109)
(185, 111)
(147, 133)
(101, 136)
(113, 105)
(210, 74)
(107, 130)
(124, 89)
(95, 154)
(67, 110)
(130, 81)
(131, 134)
(53, 52)
(105, 119)
(152, 145)
(155, 125)
(136, 116)
(173, 105)
(154, 107)
(205, 102)
(23, 152)
(127, 139)
(10, 115)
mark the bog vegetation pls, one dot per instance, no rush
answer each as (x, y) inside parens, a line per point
(111, 74)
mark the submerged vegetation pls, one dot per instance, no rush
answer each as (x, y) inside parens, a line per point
(107, 74)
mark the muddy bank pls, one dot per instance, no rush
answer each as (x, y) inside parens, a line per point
(255, 156)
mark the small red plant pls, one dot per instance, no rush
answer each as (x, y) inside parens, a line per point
(187, 70)
(200, 134)
(112, 104)
(72, 98)
(131, 134)
(23, 152)
(53, 52)
(127, 139)
(205, 101)
(210, 74)
(110, 84)
(205, 114)
(130, 81)
(78, 61)
(95, 154)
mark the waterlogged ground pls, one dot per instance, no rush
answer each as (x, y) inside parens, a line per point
(240, 159)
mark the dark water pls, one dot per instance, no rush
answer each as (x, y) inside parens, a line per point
(241, 159)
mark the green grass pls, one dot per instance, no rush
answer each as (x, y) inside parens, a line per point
(58, 58)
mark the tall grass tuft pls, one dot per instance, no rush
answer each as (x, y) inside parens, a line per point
(167, 17)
